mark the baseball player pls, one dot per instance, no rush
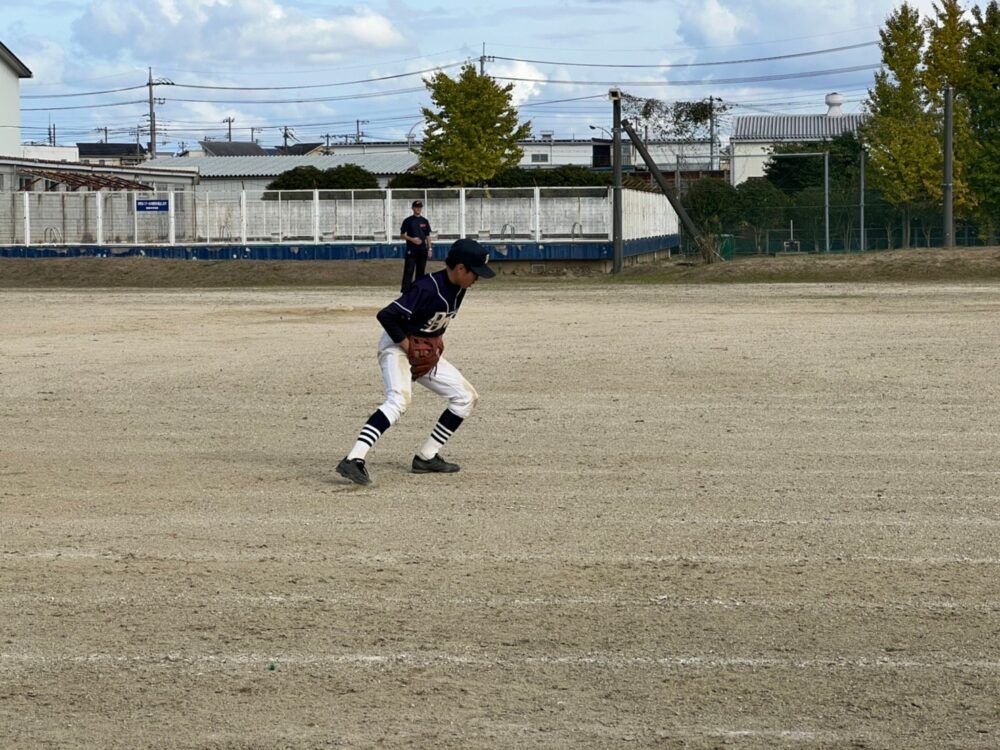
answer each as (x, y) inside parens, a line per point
(410, 349)
(416, 231)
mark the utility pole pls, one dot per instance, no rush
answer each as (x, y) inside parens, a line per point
(616, 190)
(286, 133)
(949, 186)
(483, 59)
(230, 120)
(152, 112)
(357, 130)
(711, 133)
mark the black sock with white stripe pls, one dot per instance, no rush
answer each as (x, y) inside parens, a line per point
(374, 428)
(448, 422)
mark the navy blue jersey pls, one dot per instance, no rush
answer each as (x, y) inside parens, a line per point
(416, 226)
(425, 309)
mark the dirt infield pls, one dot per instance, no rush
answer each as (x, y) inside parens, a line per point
(742, 515)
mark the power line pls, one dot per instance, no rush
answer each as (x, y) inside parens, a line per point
(320, 85)
(690, 65)
(633, 50)
(700, 82)
(84, 93)
(82, 106)
(346, 97)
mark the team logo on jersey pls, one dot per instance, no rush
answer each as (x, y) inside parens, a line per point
(438, 322)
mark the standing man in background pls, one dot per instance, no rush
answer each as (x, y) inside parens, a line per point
(416, 231)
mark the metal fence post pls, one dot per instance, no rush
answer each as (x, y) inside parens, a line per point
(100, 216)
(316, 216)
(27, 217)
(538, 213)
(243, 216)
(387, 217)
(172, 235)
(461, 212)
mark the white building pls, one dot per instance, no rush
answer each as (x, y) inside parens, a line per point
(236, 173)
(594, 153)
(12, 71)
(754, 137)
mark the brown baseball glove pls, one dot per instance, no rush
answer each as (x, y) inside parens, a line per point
(424, 353)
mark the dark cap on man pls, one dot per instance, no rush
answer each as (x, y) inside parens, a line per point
(416, 203)
(471, 255)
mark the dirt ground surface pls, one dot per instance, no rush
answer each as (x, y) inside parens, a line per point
(688, 516)
(931, 264)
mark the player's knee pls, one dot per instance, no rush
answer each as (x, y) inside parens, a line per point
(396, 405)
(464, 404)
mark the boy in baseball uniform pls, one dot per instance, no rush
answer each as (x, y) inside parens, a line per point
(422, 312)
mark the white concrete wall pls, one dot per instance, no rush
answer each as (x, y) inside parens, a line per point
(10, 112)
(51, 153)
(748, 160)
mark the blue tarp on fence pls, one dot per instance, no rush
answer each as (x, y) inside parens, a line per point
(526, 251)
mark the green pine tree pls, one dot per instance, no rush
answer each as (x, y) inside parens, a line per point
(949, 34)
(473, 132)
(984, 117)
(902, 139)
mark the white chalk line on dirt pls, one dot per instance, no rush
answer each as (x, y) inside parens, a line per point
(168, 524)
(387, 559)
(407, 659)
(423, 601)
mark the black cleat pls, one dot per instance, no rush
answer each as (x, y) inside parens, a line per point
(436, 465)
(354, 469)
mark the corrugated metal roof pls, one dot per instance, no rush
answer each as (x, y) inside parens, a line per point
(272, 166)
(793, 127)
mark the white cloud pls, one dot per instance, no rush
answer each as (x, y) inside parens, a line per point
(523, 91)
(713, 23)
(228, 32)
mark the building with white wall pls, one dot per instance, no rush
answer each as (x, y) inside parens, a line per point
(12, 71)
(594, 153)
(755, 136)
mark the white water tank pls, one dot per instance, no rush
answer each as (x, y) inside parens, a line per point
(833, 101)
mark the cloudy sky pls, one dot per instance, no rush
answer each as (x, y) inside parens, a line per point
(327, 71)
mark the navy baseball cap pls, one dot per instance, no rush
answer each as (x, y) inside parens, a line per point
(471, 255)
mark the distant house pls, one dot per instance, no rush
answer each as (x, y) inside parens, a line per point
(111, 154)
(231, 148)
(304, 149)
(755, 136)
(12, 71)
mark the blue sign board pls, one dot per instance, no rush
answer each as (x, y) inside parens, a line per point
(152, 204)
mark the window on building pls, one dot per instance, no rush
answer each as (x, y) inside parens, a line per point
(539, 158)
(601, 155)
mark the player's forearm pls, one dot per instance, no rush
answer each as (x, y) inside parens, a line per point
(393, 323)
